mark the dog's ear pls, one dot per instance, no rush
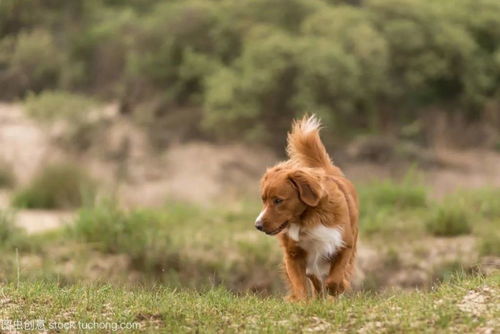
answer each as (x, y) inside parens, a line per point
(309, 188)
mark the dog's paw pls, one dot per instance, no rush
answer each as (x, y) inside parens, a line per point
(330, 298)
(337, 286)
(295, 298)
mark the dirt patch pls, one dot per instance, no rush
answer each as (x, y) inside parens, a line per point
(476, 302)
(470, 169)
(416, 263)
(24, 144)
(35, 221)
(4, 199)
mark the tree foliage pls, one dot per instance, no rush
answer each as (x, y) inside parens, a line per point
(245, 68)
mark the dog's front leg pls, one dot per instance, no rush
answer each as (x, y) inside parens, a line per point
(295, 265)
(340, 271)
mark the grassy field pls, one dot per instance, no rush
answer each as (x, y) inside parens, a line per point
(462, 305)
(185, 268)
(130, 158)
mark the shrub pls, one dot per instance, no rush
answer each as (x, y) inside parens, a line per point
(57, 186)
(81, 128)
(449, 219)
(409, 193)
(141, 234)
(257, 93)
(450, 271)
(376, 221)
(100, 55)
(390, 206)
(181, 59)
(182, 244)
(431, 59)
(349, 61)
(342, 42)
(11, 236)
(50, 106)
(489, 243)
(16, 15)
(31, 62)
(486, 202)
(7, 228)
(7, 176)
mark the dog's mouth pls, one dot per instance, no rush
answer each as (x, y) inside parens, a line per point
(279, 229)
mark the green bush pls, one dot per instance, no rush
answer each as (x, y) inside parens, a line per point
(449, 219)
(250, 67)
(175, 64)
(50, 106)
(342, 42)
(376, 221)
(450, 271)
(31, 61)
(409, 193)
(489, 243)
(485, 202)
(7, 228)
(434, 56)
(257, 93)
(390, 206)
(139, 234)
(58, 186)
(16, 15)
(7, 176)
(100, 57)
(11, 236)
(182, 244)
(280, 75)
(81, 128)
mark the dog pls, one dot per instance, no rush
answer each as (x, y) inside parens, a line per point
(313, 209)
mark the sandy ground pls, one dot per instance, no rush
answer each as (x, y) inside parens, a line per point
(23, 143)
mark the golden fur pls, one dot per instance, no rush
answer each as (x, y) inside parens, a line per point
(299, 195)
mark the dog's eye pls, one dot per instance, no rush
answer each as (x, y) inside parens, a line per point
(277, 201)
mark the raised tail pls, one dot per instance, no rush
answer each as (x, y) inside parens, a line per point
(305, 146)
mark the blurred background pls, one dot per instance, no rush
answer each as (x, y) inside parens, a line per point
(133, 134)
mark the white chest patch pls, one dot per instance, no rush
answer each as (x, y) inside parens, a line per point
(320, 243)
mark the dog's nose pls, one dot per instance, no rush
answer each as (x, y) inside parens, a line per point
(259, 224)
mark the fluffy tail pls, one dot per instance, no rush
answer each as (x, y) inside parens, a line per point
(305, 146)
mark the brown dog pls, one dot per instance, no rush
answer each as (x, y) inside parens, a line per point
(313, 210)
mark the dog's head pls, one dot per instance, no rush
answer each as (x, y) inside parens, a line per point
(286, 193)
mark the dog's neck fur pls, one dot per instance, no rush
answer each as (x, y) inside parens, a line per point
(317, 216)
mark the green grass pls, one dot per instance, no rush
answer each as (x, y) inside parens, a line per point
(449, 219)
(392, 207)
(409, 193)
(184, 245)
(483, 202)
(401, 209)
(444, 309)
(11, 236)
(58, 186)
(142, 234)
